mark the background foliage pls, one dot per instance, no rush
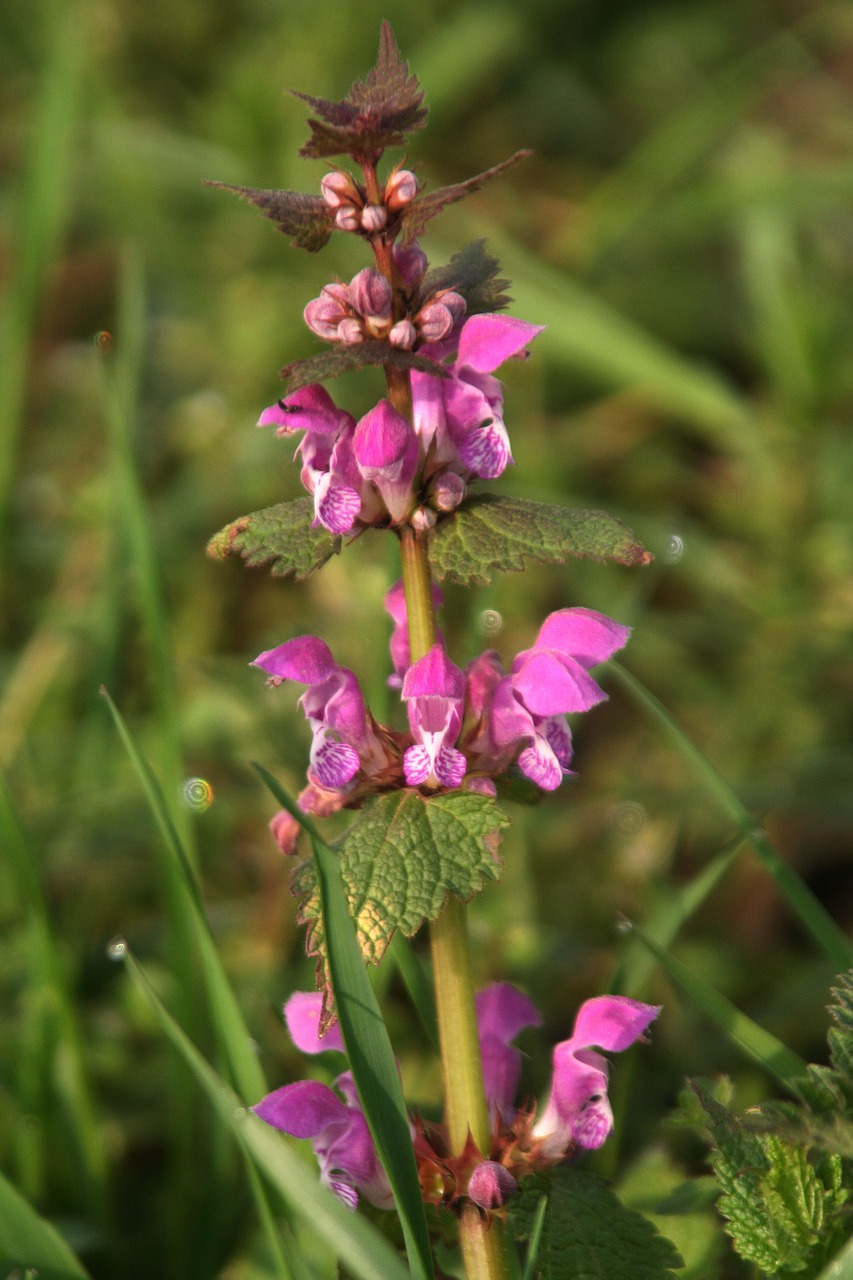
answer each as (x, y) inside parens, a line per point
(684, 229)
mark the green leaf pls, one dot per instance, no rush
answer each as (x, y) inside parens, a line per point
(399, 860)
(377, 112)
(840, 1037)
(472, 272)
(490, 532)
(366, 1254)
(30, 1245)
(308, 219)
(281, 534)
(342, 357)
(588, 1234)
(417, 214)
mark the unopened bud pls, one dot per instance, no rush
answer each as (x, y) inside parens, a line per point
(434, 322)
(285, 831)
(423, 520)
(447, 491)
(370, 294)
(338, 189)
(350, 332)
(400, 189)
(347, 218)
(323, 316)
(455, 303)
(374, 217)
(491, 1185)
(411, 263)
(403, 335)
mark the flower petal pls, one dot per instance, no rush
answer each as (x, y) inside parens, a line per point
(583, 634)
(488, 339)
(539, 763)
(612, 1023)
(335, 764)
(303, 1109)
(485, 450)
(503, 1011)
(417, 765)
(550, 684)
(434, 675)
(306, 659)
(302, 1014)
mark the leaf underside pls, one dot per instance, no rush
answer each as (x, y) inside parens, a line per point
(588, 1234)
(308, 219)
(399, 860)
(341, 358)
(281, 536)
(416, 215)
(491, 532)
(473, 272)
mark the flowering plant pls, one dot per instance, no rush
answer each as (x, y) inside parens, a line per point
(426, 796)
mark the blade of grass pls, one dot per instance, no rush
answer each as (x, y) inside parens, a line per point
(535, 1237)
(361, 1247)
(30, 1246)
(802, 901)
(41, 217)
(841, 1267)
(756, 1043)
(58, 1061)
(637, 964)
(235, 1043)
(368, 1045)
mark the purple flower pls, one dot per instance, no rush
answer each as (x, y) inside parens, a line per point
(433, 688)
(335, 1125)
(578, 1111)
(547, 682)
(460, 418)
(386, 454)
(491, 1185)
(395, 603)
(344, 740)
(502, 1011)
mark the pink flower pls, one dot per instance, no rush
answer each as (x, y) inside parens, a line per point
(386, 454)
(502, 1011)
(395, 603)
(433, 688)
(460, 418)
(334, 1124)
(344, 740)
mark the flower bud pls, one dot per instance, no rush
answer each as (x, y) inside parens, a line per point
(370, 294)
(347, 218)
(411, 263)
(400, 189)
(403, 335)
(374, 217)
(285, 831)
(423, 520)
(323, 315)
(350, 332)
(455, 303)
(434, 322)
(491, 1185)
(447, 491)
(338, 189)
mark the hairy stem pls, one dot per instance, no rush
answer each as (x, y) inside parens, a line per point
(483, 1246)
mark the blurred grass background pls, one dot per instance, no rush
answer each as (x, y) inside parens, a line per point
(685, 230)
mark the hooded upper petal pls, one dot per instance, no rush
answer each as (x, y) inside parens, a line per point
(305, 659)
(302, 1015)
(488, 339)
(583, 634)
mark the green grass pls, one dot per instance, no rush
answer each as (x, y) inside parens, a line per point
(683, 228)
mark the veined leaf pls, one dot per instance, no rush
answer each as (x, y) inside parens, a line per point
(281, 536)
(491, 532)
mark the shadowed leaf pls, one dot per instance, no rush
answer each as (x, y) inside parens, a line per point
(340, 358)
(416, 215)
(490, 533)
(474, 273)
(281, 536)
(308, 219)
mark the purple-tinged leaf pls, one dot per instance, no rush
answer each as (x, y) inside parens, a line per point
(472, 272)
(417, 214)
(281, 536)
(489, 533)
(308, 219)
(340, 358)
(378, 112)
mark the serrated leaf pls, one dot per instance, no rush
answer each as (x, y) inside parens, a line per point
(281, 536)
(472, 272)
(588, 1234)
(308, 219)
(417, 214)
(399, 860)
(342, 357)
(840, 1037)
(490, 533)
(378, 112)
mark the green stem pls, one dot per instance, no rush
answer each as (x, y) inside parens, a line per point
(483, 1246)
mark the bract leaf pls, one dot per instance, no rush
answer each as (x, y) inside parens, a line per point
(340, 358)
(308, 219)
(416, 215)
(378, 112)
(399, 860)
(472, 272)
(490, 532)
(282, 535)
(587, 1232)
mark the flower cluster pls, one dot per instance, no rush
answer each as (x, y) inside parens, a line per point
(384, 468)
(464, 726)
(576, 1116)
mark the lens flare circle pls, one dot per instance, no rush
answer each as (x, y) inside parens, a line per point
(197, 794)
